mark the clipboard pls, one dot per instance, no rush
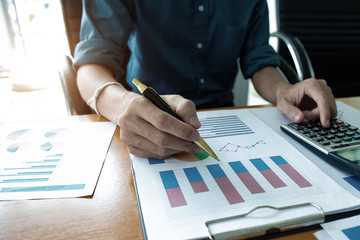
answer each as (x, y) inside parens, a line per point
(264, 220)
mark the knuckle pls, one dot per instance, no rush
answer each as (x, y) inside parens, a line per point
(162, 121)
(162, 140)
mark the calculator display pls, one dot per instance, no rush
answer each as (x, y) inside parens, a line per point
(350, 154)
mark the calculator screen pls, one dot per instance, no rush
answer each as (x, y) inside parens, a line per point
(350, 154)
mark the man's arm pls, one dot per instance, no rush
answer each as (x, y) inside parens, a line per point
(146, 130)
(309, 99)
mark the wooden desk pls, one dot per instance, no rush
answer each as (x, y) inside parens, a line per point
(111, 213)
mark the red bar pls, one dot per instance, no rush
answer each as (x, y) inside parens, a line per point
(295, 176)
(199, 187)
(272, 178)
(176, 197)
(229, 191)
(250, 182)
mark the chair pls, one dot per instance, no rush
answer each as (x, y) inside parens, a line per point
(72, 10)
(330, 32)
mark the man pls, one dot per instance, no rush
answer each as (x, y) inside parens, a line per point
(189, 48)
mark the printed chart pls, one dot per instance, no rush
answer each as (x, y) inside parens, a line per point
(257, 167)
(51, 160)
(219, 173)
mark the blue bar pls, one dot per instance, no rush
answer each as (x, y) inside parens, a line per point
(25, 180)
(27, 173)
(193, 174)
(45, 161)
(352, 233)
(279, 160)
(169, 179)
(155, 161)
(238, 167)
(259, 164)
(353, 181)
(44, 188)
(216, 171)
(32, 167)
(56, 155)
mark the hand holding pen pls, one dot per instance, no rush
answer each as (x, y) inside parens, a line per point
(158, 101)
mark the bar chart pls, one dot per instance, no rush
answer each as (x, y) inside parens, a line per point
(261, 176)
(47, 161)
(223, 126)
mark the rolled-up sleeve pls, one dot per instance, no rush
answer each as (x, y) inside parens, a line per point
(105, 29)
(257, 53)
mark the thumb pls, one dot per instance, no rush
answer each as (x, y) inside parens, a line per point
(291, 112)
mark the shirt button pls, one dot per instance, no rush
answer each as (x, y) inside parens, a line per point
(202, 81)
(199, 45)
(201, 8)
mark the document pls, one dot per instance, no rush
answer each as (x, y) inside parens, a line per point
(52, 160)
(257, 167)
(344, 229)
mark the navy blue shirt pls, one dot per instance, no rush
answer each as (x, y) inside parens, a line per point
(187, 47)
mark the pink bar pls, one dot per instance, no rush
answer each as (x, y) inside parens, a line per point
(176, 197)
(272, 178)
(295, 175)
(229, 191)
(250, 182)
(199, 187)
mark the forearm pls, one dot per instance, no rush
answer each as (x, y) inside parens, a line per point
(269, 83)
(110, 101)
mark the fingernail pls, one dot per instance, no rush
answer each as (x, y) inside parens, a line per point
(195, 136)
(196, 149)
(297, 117)
(194, 121)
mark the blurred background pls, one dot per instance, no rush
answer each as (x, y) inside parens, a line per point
(32, 43)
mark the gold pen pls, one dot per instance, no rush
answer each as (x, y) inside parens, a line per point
(155, 98)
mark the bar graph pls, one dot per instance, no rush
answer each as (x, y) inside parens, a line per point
(225, 185)
(268, 173)
(291, 172)
(245, 176)
(223, 126)
(255, 177)
(195, 179)
(172, 188)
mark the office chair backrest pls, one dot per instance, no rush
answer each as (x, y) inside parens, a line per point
(330, 32)
(72, 10)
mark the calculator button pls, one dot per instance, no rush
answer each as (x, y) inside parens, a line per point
(353, 128)
(325, 142)
(318, 139)
(349, 133)
(311, 135)
(336, 140)
(338, 121)
(295, 126)
(342, 129)
(356, 137)
(347, 139)
(330, 136)
(340, 135)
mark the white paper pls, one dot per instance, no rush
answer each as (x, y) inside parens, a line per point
(253, 146)
(52, 160)
(344, 229)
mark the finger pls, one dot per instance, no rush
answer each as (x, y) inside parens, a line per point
(291, 111)
(185, 108)
(322, 101)
(135, 125)
(165, 122)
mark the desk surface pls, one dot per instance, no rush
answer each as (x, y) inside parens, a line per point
(111, 213)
